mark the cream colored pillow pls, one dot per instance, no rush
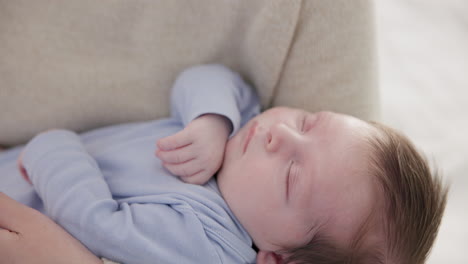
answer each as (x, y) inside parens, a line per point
(82, 64)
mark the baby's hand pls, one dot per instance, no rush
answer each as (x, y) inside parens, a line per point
(20, 165)
(21, 168)
(196, 153)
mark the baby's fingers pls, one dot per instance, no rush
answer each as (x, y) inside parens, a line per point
(178, 140)
(185, 169)
(199, 178)
(180, 155)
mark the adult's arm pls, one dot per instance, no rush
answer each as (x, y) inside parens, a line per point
(27, 236)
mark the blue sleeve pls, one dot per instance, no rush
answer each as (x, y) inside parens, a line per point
(215, 89)
(57, 164)
(76, 196)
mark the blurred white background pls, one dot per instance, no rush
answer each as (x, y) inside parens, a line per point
(423, 50)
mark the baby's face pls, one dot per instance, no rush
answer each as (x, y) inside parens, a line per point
(288, 173)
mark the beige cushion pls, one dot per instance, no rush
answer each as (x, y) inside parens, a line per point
(82, 64)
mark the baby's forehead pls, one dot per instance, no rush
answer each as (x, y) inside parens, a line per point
(353, 189)
(356, 223)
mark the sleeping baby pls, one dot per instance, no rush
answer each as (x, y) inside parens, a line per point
(217, 182)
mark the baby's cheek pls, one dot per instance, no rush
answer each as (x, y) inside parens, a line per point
(259, 174)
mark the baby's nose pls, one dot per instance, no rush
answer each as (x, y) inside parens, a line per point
(279, 138)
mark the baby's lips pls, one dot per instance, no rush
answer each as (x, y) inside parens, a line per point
(317, 116)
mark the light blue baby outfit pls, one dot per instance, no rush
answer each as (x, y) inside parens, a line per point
(109, 190)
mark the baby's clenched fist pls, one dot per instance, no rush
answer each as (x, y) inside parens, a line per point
(196, 153)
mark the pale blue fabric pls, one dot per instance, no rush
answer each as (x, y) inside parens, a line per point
(107, 188)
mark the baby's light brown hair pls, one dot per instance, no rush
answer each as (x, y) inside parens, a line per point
(414, 202)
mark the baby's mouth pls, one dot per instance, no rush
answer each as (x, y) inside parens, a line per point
(249, 136)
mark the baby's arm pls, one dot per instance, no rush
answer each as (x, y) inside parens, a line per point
(133, 230)
(209, 100)
(68, 180)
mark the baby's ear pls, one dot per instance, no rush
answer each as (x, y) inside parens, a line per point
(268, 257)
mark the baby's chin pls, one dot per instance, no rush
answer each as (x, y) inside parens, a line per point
(225, 172)
(233, 149)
